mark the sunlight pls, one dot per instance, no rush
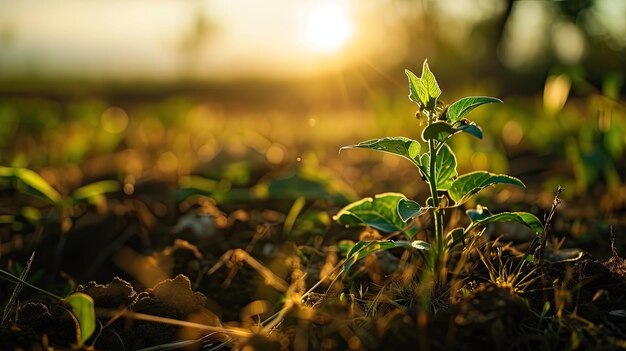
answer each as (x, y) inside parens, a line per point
(328, 27)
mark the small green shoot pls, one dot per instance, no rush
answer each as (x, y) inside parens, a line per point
(544, 312)
(295, 210)
(83, 310)
(437, 166)
(29, 182)
(93, 191)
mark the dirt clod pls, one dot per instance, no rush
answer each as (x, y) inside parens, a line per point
(118, 293)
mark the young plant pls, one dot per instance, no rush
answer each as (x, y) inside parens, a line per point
(28, 182)
(393, 212)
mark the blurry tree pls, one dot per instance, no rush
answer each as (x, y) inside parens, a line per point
(195, 39)
(518, 43)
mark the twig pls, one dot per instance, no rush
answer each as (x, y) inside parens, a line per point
(613, 248)
(547, 225)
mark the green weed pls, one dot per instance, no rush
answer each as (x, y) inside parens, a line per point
(437, 166)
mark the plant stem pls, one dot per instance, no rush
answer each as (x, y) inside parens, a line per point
(438, 218)
(546, 226)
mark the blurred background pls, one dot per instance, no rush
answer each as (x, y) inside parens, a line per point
(124, 43)
(245, 93)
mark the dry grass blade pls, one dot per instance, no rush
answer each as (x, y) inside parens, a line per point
(176, 345)
(493, 275)
(10, 277)
(17, 289)
(546, 226)
(233, 257)
(170, 321)
(190, 345)
(278, 317)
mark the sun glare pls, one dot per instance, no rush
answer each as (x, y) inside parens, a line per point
(328, 27)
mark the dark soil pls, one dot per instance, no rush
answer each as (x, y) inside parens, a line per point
(575, 303)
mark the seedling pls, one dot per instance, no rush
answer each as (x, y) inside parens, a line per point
(437, 166)
(28, 182)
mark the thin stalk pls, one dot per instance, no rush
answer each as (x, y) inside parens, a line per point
(433, 192)
(546, 226)
(4, 275)
(240, 332)
(16, 290)
(437, 215)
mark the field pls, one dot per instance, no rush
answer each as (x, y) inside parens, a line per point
(362, 207)
(193, 224)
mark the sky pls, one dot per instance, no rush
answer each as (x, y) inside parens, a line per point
(140, 38)
(229, 39)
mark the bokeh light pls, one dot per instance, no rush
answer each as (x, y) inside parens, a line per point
(114, 120)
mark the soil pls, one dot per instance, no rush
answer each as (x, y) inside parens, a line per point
(576, 303)
(170, 272)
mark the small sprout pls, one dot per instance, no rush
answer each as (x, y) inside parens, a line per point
(83, 310)
(437, 166)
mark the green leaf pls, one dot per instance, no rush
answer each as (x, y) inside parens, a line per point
(311, 223)
(455, 236)
(83, 309)
(95, 189)
(29, 182)
(417, 244)
(479, 213)
(469, 184)
(196, 182)
(32, 214)
(414, 83)
(445, 165)
(459, 109)
(438, 131)
(401, 146)
(471, 129)
(200, 186)
(344, 247)
(379, 212)
(482, 216)
(364, 248)
(428, 89)
(408, 209)
(309, 183)
(545, 309)
(293, 213)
